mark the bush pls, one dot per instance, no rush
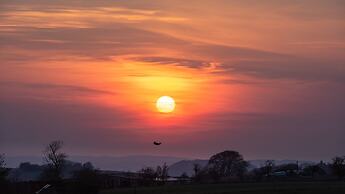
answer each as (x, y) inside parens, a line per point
(87, 180)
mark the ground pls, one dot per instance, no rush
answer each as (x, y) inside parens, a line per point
(243, 188)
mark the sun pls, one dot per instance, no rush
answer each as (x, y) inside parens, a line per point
(165, 104)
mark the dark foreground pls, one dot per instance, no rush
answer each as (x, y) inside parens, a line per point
(243, 188)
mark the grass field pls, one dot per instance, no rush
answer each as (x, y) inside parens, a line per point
(243, 188)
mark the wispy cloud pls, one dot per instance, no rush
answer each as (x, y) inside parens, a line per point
(77, 17)
(60, 87)
(99, 32)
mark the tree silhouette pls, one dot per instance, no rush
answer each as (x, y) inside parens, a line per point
(87, 179)
(148, 175)
(55, 161)
(269, 164)
(151, 176)
(197, 171)
(338, 166)
(226, 164)
(3, 170)
(314, 169)
(159, 172)
(164, 175)
(2, 161)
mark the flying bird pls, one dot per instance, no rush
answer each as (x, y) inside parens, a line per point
(157, 143)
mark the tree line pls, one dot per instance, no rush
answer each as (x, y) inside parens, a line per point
(226, 166)
(230, 166)
(85, 180)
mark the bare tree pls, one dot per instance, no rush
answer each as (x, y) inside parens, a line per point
(164, 175)
(148, 175)
(55, 160)
(159, 172)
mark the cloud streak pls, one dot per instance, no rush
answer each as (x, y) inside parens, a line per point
(60, 87)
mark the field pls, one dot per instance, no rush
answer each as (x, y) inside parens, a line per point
(242, 188)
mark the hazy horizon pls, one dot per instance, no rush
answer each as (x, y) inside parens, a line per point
(137, 162)
(74, 156)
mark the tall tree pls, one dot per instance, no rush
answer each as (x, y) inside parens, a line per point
(159, 172)
(164, 175)
(226, 164)
(55, 159)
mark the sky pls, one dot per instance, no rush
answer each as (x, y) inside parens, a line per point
(265, 78)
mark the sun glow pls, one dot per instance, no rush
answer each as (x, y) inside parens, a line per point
(165, 104)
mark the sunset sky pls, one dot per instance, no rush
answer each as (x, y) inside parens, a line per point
(265, 78)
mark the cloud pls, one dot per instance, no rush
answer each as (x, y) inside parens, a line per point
(173, 61)
(104, 33)
(93, 43)
(79, 17)
(60, 87)
(256, 63)
(293, 68)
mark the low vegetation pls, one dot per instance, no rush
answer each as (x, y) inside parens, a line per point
(240, 188)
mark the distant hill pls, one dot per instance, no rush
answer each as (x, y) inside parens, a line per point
(117, 163)
(127, 163)
(185, 166)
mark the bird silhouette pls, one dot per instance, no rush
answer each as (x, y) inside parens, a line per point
(157, 143)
